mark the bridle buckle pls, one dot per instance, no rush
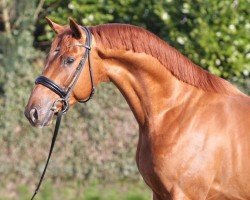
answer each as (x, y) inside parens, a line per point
(65, 105)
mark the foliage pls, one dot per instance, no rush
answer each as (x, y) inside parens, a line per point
(73, 191)
(87, 149)
(213, 33)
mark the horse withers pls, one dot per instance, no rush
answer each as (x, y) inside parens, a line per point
(194, 136)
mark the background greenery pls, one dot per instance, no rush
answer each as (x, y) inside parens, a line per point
(97, 142)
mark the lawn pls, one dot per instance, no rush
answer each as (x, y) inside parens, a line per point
(74, 191)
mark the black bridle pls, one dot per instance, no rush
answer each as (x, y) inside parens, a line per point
(64, 95)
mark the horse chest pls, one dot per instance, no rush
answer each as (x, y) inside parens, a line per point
(149, 168)
(161, 165)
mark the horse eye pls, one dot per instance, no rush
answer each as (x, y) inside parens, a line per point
(69, 60)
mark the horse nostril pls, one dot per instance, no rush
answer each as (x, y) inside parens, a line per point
(34, 115)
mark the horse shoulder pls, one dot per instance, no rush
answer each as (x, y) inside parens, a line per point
(233, 176)
(203, 144)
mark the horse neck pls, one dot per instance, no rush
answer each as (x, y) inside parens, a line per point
(148, 87)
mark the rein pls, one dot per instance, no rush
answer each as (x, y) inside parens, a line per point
(64, 96)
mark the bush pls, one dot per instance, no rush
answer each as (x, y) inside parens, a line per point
(214, 34)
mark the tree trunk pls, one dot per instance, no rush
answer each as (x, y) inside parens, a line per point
(5, 16)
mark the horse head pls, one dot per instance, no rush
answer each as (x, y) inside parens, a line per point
(67, 76)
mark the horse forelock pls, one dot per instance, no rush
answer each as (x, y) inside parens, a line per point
(64, 41)
(128, 37)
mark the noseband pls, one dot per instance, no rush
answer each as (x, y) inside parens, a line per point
(64, 95)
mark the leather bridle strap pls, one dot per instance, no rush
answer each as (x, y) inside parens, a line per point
(64, 96)
(58, 121)
(65, 93)
(51, 85)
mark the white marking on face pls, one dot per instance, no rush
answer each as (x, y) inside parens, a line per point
(56, 51)
(46, 66)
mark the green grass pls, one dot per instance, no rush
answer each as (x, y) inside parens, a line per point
(74, 191)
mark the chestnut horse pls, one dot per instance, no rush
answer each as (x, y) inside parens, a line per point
(194, 134)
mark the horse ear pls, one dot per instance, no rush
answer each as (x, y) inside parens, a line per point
(77, 31)
(56, 27)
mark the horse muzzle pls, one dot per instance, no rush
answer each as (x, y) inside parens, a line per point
(38, 117)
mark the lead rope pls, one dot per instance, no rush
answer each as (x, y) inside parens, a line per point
(64, 100)
(58, 121)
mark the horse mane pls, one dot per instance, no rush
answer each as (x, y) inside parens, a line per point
(129, 37)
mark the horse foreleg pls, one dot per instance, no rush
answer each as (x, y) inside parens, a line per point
(178, 194)
(157, 197)
(164, 197)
